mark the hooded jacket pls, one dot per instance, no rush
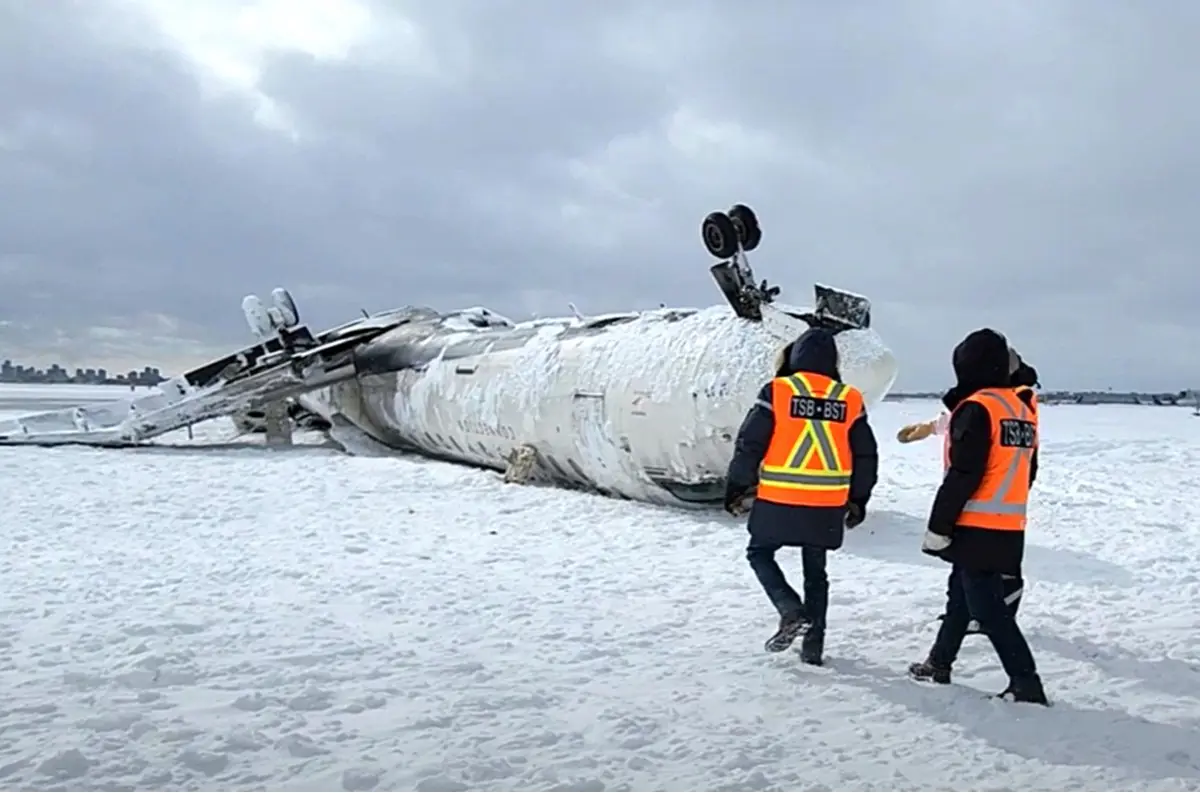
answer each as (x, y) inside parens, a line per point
(1023, 374)
(814, 351)
(981, 360)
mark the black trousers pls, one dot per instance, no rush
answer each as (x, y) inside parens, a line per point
(1014, 588)
(973, 595)
(784, 598)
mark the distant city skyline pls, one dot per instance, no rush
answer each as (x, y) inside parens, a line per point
(1109, 396)
(13, 372)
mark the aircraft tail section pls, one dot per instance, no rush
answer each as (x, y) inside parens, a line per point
(175, 405)
(286, 361)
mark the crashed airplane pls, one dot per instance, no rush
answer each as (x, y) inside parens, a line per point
(642, 405)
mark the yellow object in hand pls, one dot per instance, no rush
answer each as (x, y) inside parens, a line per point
(916, 432)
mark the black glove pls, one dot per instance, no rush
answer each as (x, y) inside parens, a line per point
(855, 514)
(733, 499)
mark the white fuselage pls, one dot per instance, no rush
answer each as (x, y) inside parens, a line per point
(624, 409)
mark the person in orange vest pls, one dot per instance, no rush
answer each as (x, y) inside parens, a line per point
(1024, 378)
(977, 521)
(807, 446)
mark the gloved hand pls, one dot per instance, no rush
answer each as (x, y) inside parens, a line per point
(911, 433)
(934, 544)
(855, 514)
(734, 498)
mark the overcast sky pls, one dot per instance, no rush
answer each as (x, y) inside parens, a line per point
(1026, 164)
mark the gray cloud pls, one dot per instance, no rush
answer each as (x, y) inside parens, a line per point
(1027, 165)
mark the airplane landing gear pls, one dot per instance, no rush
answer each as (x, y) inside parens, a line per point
(729, 235)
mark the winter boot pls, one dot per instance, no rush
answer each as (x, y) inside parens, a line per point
(812, 647)
(927, 671)
(790, 627)
(1027, 689)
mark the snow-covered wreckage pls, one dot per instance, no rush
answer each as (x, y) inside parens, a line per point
(643, 405)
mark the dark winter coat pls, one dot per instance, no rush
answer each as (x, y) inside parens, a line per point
(980, 361)
(782, 524)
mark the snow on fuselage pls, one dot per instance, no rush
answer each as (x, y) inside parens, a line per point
(644, 406)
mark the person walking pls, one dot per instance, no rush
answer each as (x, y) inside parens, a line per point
(1024, 378)
(978, 518)
(807, 447)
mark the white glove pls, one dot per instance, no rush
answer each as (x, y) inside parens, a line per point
(942, 424)
(934, 543)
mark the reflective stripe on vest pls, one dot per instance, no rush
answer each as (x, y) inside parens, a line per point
(809, 460)
(1001, 500)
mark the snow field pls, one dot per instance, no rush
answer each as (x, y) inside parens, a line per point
(18, 399)
(238, 618)
(54, 392)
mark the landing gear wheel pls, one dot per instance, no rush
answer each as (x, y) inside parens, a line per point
(257, 316)
(720, 235)
(729, 236)
(746, 224)
(286, 306)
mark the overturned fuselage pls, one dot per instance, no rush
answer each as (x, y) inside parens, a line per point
(642, 405)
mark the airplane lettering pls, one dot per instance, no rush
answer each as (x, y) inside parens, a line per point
(479, 428)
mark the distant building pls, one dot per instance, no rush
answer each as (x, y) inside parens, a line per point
(1108, 397)
(16, 373)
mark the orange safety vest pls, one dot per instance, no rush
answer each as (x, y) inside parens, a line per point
(1001, 500)
(809, 461)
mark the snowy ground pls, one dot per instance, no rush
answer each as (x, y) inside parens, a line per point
(299, 620)
(19, 398)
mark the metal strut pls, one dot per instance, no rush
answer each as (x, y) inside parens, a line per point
(273, 370)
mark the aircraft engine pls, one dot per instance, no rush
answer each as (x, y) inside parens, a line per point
(258, 316)
(282, 301)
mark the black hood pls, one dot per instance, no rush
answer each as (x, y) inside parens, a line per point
(980, 361)
(1021, 373)
(814, 351)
